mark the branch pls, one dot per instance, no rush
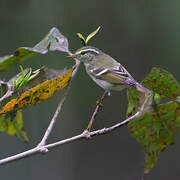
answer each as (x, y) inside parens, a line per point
(53, 120)
(58, 109)
(43, 148)
(98, 106)
(85, 135)
(9, 91)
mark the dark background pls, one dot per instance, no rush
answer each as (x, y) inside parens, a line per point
(140, 34)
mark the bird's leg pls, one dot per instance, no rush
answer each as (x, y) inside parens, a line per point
(98, 105)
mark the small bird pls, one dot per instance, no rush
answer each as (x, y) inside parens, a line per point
(104, 70)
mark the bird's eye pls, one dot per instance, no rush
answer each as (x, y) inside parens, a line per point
(83, 53)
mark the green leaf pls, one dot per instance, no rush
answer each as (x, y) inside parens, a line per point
(92, 35)
(159, 124)
(12, 124)
(163, 83)
(85, 41)
(17, 80)
(23, 78)
(155, 130)
(133, 101)
(82, 38)
(33, 75)
(54, 41)
(157, 98)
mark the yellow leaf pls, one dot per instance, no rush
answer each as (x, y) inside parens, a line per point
(38, 93)
(12, 124)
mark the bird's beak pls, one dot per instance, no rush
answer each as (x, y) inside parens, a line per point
(72, 55)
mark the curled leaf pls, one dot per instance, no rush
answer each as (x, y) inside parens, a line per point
(54, 41)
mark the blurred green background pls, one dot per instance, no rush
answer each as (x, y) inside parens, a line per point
(140, 34)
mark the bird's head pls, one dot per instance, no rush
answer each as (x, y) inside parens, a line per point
(86, 53)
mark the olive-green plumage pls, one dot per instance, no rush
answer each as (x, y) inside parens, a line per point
(104, 70)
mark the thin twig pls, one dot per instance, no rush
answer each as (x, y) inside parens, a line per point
(112, 128)
(9, 92)
(58, 110)
(53, 120)
(98, 106)
(86, 134)
(43, 148)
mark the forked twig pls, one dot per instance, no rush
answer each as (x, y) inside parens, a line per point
(8, 93)
(43, 148)
(58, 109)
(98, 106)
(53, 120)
(86, 134)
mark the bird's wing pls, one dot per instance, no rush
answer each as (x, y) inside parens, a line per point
(116, 75)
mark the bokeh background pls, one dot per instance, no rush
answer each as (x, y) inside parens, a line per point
(140, 34)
